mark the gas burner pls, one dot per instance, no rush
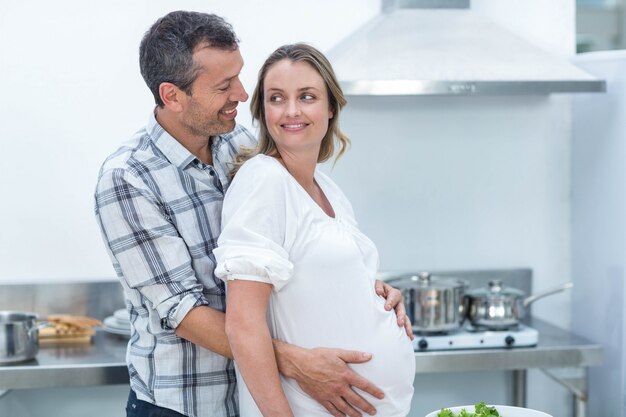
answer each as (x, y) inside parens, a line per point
(481, 329)
(442, 333)
(474, 338)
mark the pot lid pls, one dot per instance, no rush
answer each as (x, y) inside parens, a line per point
(426, 280)
(495, 289)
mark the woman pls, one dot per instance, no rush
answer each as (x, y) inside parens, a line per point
(297, 267)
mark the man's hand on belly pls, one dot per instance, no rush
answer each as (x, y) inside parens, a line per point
(323, 373)
(393, 300)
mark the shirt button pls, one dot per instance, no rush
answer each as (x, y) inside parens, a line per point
(211, 172)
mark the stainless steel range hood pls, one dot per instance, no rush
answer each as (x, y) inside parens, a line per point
(418, 48)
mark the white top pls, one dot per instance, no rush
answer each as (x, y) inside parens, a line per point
(323, 271)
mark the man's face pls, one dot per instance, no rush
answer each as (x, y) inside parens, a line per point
(215, 94)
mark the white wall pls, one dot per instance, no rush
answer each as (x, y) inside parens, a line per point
(476, 182)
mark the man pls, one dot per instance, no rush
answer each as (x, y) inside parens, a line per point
(158, 203)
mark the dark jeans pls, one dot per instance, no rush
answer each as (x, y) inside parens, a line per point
(138, 408)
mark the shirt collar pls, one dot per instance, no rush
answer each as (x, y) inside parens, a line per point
(176, 153)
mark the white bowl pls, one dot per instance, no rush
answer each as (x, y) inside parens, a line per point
(504, 410)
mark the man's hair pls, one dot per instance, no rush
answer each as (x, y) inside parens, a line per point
(166, 50)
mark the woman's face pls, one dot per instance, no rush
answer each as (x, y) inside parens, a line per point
(296, 104)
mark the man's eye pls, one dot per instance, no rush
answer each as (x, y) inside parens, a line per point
(225, 88)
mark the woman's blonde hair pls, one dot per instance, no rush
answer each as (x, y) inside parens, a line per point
(298, 52)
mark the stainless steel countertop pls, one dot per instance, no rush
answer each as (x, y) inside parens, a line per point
(103, 361)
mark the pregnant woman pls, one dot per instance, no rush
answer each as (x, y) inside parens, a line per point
(296, 265)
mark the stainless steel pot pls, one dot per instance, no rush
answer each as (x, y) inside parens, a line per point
(19, 336)
(497, 307)
(434, 304)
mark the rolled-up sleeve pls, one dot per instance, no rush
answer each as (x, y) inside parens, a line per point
(147, 251)
(257, 223)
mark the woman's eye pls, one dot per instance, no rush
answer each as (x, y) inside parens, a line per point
(276, 99)
(308, 97)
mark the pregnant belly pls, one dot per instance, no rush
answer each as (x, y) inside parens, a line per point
(367, 327)
(392, 367)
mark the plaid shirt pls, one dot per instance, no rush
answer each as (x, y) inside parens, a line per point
(159, 211)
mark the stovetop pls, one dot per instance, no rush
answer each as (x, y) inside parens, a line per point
(472, 338)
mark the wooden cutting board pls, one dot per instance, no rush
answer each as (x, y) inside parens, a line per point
(66, 328)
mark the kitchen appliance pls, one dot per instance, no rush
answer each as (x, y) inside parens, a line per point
(469, 337)
(19, 336)
(499, 307)
(428, 47)
(433, 304)
(466, 336)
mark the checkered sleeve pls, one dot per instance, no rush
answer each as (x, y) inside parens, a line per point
(147, 251)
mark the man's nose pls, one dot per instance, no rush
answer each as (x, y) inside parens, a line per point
(239, 92)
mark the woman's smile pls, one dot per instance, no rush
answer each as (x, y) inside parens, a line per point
(294, 127)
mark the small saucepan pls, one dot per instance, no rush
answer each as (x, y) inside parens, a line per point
(19, 336)
(434, 304)
(497, 307)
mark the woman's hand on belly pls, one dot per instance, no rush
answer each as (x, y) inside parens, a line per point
(323, 374)
(394, 300)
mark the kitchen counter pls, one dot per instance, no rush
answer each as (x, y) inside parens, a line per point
(100, 363)
(103, 361)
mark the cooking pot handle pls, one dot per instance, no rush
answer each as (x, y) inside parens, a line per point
(39, 326)
(537, 296)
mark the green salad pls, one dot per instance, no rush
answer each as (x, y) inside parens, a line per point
(480, 410)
